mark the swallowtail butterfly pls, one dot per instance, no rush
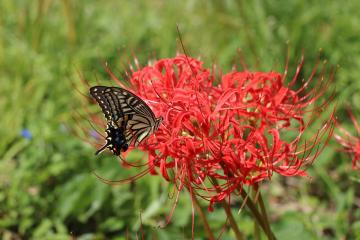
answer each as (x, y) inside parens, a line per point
(129, 119)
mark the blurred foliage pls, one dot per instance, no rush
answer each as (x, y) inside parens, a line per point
(47, 189)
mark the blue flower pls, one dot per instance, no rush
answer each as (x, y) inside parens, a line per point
(25, 133)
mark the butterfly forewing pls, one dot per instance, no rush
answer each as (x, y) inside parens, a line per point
(132, 104)
(108, 103)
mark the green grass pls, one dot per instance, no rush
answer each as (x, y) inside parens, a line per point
(47, 190)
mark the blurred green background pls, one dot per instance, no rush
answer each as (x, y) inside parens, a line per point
(47, 189)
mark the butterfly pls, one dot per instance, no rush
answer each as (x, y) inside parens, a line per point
(129, 119)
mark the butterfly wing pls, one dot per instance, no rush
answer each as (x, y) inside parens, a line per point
(108, 102)
(138, 128)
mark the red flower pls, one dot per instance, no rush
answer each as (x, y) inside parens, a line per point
(350, 143)
(219, 136)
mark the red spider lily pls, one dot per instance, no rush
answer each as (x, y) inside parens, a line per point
(228, 132)
(350, 143)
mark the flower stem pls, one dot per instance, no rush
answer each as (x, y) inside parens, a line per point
(257, 235)
(265, 217)
(203, 218)
(239, 235)
(256, 214)
(253, 209)
(233, 224)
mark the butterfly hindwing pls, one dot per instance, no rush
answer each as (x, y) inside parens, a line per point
(138, 129)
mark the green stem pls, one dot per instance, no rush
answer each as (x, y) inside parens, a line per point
(253, 209)
(256, 214)
(203, 218)
(256, 231)
(239, 235)
(257, 234)
(233, 224)
(265, 217)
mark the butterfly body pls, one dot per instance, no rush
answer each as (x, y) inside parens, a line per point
(129, 119)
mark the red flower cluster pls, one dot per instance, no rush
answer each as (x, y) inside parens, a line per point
(350, 143)
(221, 134)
